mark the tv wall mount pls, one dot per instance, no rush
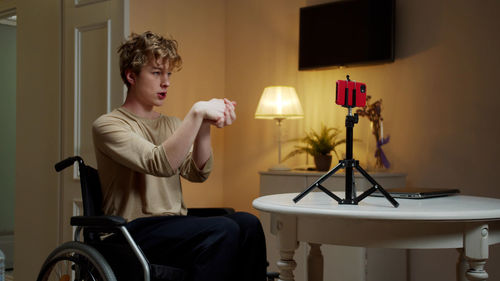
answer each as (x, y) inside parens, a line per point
(349, 164)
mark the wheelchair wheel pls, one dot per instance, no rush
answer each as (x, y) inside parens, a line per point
(75, 261)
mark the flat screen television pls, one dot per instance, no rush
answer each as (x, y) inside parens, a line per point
(346, 32)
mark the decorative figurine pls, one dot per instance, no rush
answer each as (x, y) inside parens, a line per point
(373, 111)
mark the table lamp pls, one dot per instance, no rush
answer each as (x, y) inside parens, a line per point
(279, 103)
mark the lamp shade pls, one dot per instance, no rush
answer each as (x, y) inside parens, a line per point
(279, 102)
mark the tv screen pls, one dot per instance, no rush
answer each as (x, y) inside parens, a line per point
(347, 32)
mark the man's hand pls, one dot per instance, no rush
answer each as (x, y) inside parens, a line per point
(218, 112)
(229, 113)
(212, 110)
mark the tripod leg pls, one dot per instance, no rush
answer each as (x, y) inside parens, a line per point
(374, 188)
(366, 193)
(319, 181)
(329, 193)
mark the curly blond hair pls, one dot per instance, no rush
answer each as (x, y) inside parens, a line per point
(140, 48)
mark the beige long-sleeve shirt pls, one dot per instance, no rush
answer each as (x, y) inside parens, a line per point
(136, 178)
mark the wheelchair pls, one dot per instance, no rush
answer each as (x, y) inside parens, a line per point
(108, 252)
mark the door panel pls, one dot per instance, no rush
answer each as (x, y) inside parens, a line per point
(92, 86)
(92, 91)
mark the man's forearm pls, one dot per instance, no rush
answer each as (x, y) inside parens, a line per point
(177, 146)
(195, 129)
(202, 145)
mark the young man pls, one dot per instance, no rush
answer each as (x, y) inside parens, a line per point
(141, 155)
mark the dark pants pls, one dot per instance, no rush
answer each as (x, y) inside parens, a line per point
(221, 248)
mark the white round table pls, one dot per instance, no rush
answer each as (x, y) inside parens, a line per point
(461, 222)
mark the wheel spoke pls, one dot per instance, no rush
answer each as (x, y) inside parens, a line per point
(75, 261)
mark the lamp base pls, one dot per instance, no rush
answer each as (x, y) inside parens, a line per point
(279, 167)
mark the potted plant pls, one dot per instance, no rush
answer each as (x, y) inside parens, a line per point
(320, 145)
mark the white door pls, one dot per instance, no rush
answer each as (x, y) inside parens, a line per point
(93, 30)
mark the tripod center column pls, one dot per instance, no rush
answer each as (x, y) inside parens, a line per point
(350, 190)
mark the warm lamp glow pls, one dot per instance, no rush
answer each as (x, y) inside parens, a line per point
(279, 102)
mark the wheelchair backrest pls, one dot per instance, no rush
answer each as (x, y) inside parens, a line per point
(90, 185)
(91, 192)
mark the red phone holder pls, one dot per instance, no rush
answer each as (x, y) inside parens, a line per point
(350, 93)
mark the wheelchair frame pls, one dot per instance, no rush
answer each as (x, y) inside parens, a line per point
(94, 220)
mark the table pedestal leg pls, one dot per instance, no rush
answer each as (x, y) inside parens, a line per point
(315, 263)
(286, 265)
(286, 228)
(476, 271)
(476, 251)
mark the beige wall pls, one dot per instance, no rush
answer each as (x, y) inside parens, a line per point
(440, 101)
(198, 26)
(432, 107)
(37, 134)
(260, 51)
(439, 107)
(438, 96)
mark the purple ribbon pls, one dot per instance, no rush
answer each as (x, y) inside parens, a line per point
(380, 153)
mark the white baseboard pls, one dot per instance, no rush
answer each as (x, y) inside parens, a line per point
(7, 247)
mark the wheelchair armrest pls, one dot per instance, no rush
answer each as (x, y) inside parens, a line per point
(209, 212)
(98, 221)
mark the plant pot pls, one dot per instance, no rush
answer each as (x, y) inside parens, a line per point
(323, 162)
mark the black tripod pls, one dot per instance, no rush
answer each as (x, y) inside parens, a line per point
(349, 163)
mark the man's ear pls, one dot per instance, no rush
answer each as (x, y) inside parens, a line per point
(130, 75)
